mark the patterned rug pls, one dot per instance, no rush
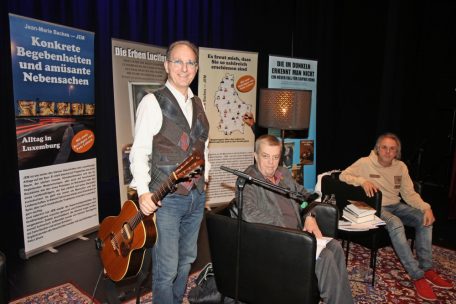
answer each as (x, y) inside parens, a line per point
(392, 284)
(147, 298)
(62, 294)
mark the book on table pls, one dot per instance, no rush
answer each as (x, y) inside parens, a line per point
(357, 219)
(347, 225)
(359, 208)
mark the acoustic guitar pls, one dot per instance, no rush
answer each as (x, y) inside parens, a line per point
(122, 239)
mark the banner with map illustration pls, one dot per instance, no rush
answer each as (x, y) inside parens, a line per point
(227, 85)
(54, 103)
(137, 69)
(299, 74)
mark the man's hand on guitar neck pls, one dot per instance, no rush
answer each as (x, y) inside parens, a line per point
(147, 205)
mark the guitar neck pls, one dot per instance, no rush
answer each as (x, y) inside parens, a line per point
(189, 165)
(157, 196)
(164, 188)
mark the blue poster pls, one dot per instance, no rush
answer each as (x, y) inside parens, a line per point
(53, 83)
(299, 74)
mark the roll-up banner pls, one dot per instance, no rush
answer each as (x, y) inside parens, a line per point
(53, 84)
(227, 85)
(137, 69)
(298, 74)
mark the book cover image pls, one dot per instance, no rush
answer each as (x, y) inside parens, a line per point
(307, 152)
(288, 155)
(296, 173)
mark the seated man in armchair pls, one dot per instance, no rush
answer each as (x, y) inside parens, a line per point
(383, 170)
(261, 205)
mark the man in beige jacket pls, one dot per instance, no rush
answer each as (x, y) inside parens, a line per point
(383, 170)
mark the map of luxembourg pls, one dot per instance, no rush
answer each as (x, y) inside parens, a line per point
(230, 107)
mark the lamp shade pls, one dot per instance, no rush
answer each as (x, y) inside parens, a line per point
(284, 109)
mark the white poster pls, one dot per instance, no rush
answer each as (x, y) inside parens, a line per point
(227, 86)
(58, 199)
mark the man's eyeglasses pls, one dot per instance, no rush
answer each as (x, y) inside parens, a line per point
(189, 64)
(267, 157)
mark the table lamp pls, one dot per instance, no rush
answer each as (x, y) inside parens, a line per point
(284, 109)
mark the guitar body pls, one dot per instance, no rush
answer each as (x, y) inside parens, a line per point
(122, 239)
(122, 250)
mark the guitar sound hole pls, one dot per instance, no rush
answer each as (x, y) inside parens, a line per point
(124, 249)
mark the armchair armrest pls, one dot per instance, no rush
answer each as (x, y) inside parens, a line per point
(327, 219)
(344, 192)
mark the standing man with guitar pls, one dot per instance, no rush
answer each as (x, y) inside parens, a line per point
(170, 125)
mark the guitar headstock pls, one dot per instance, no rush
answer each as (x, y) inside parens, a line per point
(189, 166)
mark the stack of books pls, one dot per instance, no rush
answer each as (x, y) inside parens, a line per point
(359, 212)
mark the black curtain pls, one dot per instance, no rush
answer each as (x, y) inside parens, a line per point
(382, 66)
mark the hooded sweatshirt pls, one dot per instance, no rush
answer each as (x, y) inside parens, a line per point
(394, 181)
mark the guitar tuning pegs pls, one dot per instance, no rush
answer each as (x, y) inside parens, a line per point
(196, 172)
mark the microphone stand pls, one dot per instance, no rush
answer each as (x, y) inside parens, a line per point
(240, 183)
(239, 197)
(285, 191)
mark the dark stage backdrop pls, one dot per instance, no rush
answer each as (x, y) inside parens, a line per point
(382, 66)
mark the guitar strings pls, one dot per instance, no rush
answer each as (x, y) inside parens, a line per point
(121, 235)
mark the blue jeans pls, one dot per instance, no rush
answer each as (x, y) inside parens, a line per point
(178, 222)
(398, 215)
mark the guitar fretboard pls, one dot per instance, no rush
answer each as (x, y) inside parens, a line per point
(164, 188)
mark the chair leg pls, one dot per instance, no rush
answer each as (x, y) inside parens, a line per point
(373, 265)
(347, 251)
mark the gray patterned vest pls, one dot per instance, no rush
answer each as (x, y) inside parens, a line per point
(176, 140)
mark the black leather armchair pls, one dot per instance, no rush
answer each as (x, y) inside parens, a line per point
(276, 265)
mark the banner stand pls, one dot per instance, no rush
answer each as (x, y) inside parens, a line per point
(54, 108)
(51, 247)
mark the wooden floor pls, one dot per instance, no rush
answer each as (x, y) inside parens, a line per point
(78, 261)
